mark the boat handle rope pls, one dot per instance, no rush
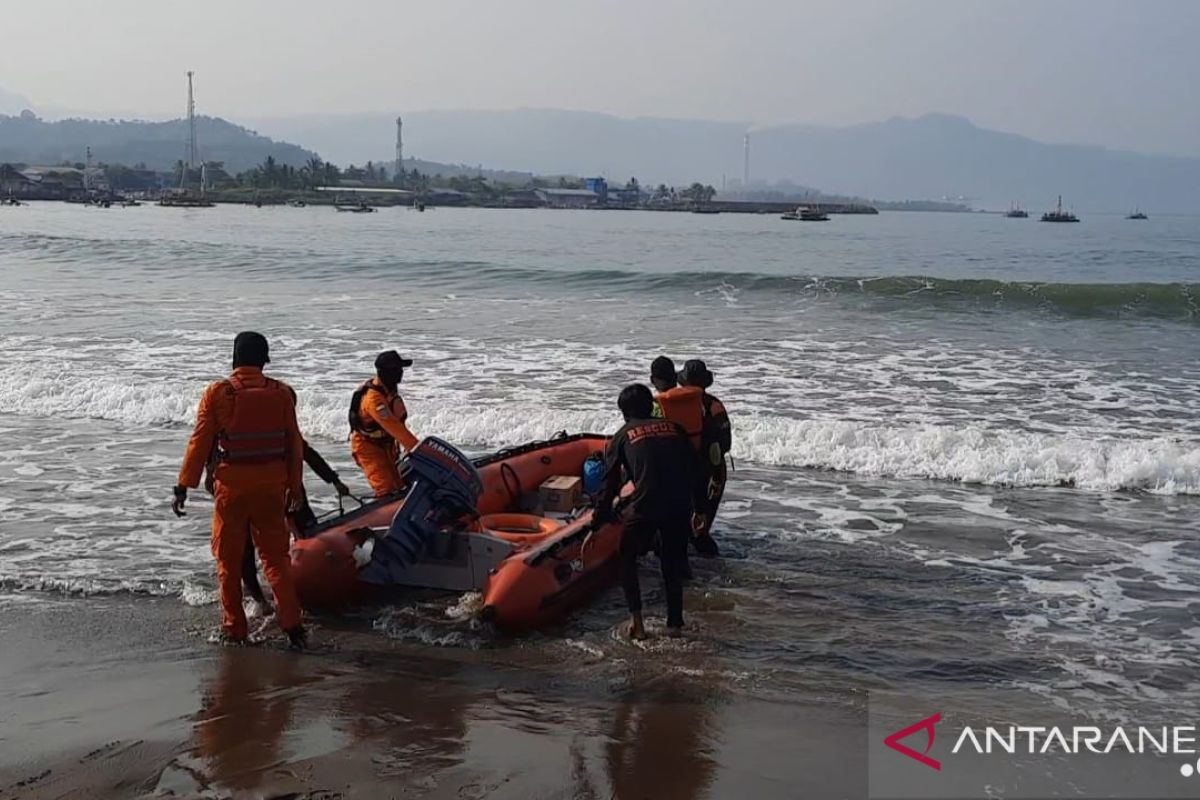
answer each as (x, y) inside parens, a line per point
(342, 499)
(506, 469)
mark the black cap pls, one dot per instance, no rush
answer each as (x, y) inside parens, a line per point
(695, 373)
(390, 359)
(250, 350)
(662, 367)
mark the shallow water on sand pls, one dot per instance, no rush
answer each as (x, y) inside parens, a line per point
(967, 452)
(142, 714)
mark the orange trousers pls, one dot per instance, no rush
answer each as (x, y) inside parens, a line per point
(256, 511)
(378, 463)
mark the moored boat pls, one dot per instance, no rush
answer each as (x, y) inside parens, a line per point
(355, 208)
(806, 214)
(184, 199)
(1058, 215)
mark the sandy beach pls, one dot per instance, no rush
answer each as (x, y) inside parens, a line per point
(125, 698)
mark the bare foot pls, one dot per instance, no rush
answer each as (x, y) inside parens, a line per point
(637, 631)
(675, 631)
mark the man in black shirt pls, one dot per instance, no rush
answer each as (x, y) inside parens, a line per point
(716, 441)
(656, 455)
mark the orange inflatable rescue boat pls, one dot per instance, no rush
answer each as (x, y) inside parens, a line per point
(466, 525)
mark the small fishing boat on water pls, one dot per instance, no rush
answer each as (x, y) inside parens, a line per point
(466, 525)
(296, 202)
(359, 207)
(1058, 215)
(806, 214)
(185, 199)
(1137, 214)
(1016, 212)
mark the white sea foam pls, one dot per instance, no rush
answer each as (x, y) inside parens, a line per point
(468, 606)
(974, 455)
(951, 451)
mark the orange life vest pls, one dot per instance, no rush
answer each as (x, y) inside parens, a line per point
(685, 406)
(257, 431)
(361, 423)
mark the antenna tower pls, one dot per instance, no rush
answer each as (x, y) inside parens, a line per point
(399, 148)
(191, 125)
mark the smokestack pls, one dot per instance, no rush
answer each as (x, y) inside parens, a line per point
(746, 161)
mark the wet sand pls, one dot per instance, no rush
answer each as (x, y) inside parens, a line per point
(124, 697)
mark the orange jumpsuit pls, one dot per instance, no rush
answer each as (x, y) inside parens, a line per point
(250, 499)
(376, 442)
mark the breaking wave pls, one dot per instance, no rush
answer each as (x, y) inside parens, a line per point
(257, 261)
(949, 451)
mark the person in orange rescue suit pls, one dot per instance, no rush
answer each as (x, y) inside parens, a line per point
(379, 425)
(251, 421)
(684, 405)
(717, 439)
(300, 513)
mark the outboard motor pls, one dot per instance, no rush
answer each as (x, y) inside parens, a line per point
(443, 489)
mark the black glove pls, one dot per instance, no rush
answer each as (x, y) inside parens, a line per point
(180, 499)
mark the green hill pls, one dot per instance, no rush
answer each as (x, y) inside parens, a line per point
(27, 139)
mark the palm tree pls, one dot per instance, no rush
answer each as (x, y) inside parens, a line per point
(332, 174)
(315, 165)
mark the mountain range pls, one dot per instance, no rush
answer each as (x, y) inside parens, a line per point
(932, 156)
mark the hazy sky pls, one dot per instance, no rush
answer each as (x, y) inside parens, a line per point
(1122, 73)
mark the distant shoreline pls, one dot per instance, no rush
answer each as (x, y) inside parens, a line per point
(327, 199)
